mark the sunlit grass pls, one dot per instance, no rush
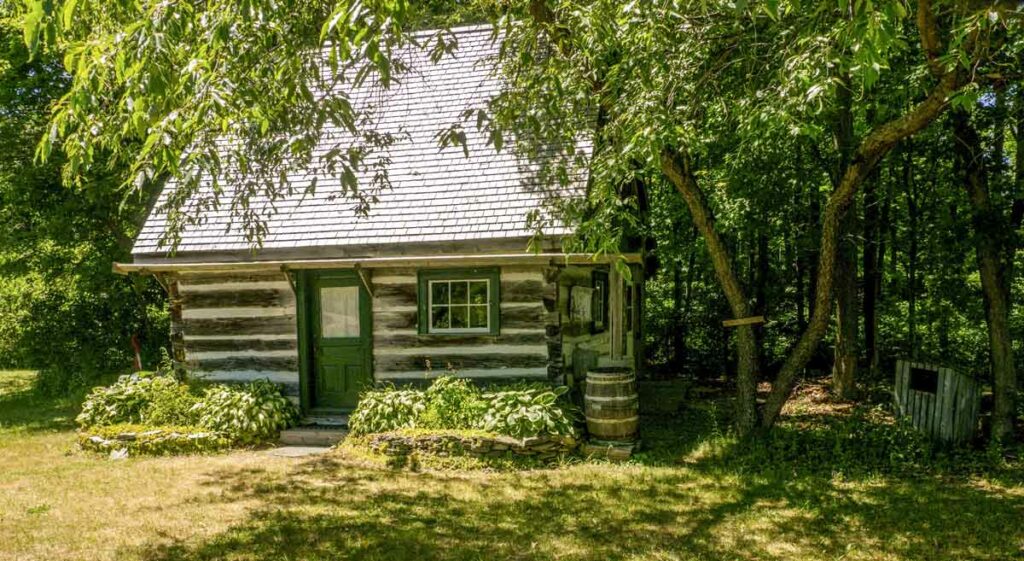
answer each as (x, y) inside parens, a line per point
(680, 500)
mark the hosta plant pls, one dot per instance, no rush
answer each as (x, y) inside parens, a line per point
(452, 403)
(129, 400)
(526, 413)
(386, 410)
(250, 413)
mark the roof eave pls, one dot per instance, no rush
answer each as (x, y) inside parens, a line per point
(455, 260)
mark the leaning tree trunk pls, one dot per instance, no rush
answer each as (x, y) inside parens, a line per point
(676, 168)
(872, 149)
(989, 241)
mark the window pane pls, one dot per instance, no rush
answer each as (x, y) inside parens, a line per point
(439, 317)
(459, 313)
(339, 311)
(439, 293)
(478, 316)
(478, 292)
(459, 292)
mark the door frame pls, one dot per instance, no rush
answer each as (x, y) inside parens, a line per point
(305, 298)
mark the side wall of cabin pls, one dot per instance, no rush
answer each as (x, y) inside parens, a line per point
(237, 327)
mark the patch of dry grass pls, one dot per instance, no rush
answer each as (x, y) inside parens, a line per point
(56, 503)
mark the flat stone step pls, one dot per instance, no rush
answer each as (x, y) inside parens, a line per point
(313, 435)
(298, 451)
(614, 451)
(339, 421)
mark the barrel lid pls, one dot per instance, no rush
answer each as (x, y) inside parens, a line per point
(610, 370)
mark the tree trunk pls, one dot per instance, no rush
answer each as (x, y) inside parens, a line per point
(677, 169)
(913, 214)
(872, 276)
(677, 316)
(989, 241)
(761, 288)
(844, 363)
(874, 146)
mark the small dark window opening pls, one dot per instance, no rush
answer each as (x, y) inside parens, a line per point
(599, 307)
(924, 380)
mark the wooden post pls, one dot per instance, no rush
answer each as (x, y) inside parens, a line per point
(177, 327)
(616, 322)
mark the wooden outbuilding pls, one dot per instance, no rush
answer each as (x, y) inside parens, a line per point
(938, 401)
(436, 277)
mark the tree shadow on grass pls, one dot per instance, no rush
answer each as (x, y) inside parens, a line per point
(335, 508)
(23, 408)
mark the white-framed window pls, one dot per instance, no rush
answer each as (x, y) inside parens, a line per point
(459, 305)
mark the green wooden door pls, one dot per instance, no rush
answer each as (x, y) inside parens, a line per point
(341, 331)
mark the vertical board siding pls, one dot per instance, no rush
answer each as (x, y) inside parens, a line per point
(949, 415)
(239, 327)
(519, 350)
(576, 337)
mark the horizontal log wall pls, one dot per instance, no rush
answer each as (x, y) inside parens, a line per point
(239, 327)
(521, 350)
(242, 327)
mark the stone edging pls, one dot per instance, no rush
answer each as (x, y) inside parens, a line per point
(149, 438)
(543, 448)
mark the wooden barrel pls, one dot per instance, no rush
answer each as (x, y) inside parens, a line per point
(611, 404)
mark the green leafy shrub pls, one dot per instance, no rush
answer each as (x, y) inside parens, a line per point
(387, 409)
(170, 404)
(452, 403)
(249, 413)
(152, 440)
(124, 401)
(867, 441)
(455, 404)
(525, 413)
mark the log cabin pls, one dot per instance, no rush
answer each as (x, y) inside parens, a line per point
(435, 277)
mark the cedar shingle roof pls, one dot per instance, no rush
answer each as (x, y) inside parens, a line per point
(436, 195)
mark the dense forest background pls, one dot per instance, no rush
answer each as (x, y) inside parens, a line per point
(917, 286)
(62, 308)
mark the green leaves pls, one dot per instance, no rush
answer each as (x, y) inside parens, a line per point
(452, 403)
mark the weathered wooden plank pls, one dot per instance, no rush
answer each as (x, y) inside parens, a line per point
(742, 321)
(902, 370)
(948, 405)
(388, 295)
(250, 363)
(217, 278)
(391, 363)
(260, 298)
(394, 319)
(287, 381)
(520, 317)
(523, 291)
(491, 373)
(382, 342)
(271, 325)
(232, 344)
(454, 348)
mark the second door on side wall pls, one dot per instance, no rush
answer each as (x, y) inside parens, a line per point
(341, 341)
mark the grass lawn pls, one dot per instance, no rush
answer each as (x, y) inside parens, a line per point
(57, 503)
